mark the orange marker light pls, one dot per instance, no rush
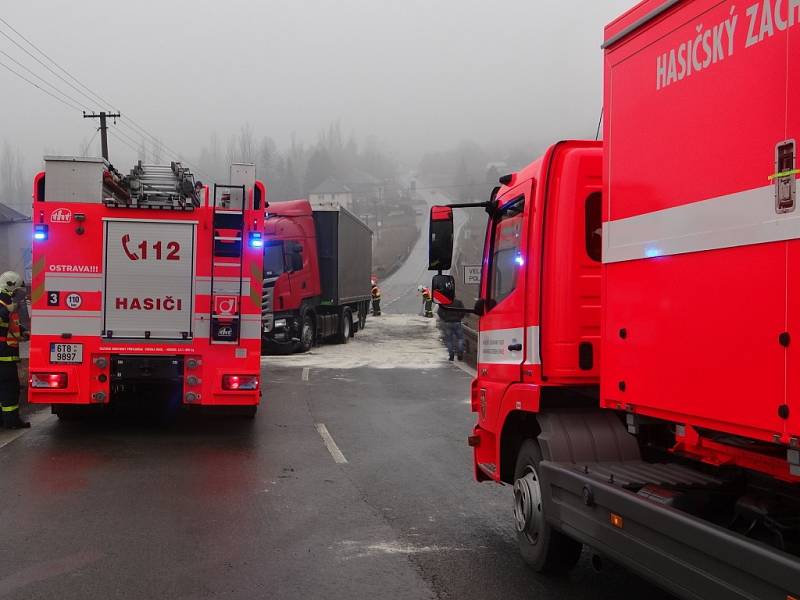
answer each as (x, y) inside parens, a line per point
(616, 520)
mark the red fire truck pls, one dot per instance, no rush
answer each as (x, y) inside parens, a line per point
(637, 381)
(145, 285)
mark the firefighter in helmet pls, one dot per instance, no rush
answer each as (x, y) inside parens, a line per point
(376, 299)
(11, 332)
(427, 300)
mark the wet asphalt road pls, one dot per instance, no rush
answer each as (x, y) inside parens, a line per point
(228, 508)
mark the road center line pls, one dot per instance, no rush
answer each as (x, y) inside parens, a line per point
(337, 455)
(305, 373)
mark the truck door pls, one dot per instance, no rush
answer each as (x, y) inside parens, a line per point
(570, 328)
(149, 275)
(501, 343)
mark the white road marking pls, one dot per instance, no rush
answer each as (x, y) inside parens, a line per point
(350, 549)
(36, 419)
(466, 368)
(305, 373)
(337, 455)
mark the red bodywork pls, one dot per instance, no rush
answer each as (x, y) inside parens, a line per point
(700, 269)
(71, 262)
(292, 221)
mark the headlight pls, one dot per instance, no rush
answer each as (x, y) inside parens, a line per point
(279, 323)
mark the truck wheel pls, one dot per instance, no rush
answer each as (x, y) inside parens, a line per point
(345, 327)
(306, 333)
(541, 546)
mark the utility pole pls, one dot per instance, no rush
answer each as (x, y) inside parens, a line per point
(103, 115)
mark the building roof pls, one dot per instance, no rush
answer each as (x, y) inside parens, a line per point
(9, 215)
(330, 186)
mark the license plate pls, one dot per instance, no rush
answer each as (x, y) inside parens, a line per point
(66, 353)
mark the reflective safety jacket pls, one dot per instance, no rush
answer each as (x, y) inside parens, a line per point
(376, 292)
(426, 294)
(10, 330)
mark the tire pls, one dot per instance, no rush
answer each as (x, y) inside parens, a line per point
(362, 318)
(307, 332)
(542, 547)
(345, 327)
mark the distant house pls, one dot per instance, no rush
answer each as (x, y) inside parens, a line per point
(332, 190)
(15, 242)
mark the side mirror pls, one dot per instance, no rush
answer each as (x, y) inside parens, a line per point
(440, 243)
(444, 289)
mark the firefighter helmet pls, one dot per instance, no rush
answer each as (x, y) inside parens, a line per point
(10, 282)
(420, 288)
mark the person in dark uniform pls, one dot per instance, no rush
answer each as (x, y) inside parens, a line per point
(453, 329)
(11, 332)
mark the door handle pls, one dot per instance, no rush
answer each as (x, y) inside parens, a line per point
(515, 347)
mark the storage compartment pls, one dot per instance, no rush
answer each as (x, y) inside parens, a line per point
(344, 245)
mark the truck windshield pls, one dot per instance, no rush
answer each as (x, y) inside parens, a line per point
(273, 259)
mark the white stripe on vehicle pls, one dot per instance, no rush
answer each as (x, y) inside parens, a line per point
(739, 219)
(532, 349)
(56, 322)
(58, 282)
(493, 346)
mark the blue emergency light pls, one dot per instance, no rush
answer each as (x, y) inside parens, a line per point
(256, 241)
(40, 233)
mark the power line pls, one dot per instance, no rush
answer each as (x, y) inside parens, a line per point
(18, 45)
(42, 79)
(113, 134)
(89, 143)
(97, 97)
(64, 102)
(43, 53)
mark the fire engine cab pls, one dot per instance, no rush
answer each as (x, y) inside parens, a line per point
(637, 379)
(145, 285)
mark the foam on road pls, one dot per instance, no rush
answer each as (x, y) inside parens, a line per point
(388, 342)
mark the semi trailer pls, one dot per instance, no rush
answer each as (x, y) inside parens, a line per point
(637, 382)
(317, 270)
(145, 285)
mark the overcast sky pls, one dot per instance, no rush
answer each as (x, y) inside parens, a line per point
(420, 75)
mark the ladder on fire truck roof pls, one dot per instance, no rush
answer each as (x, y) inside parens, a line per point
(227, 263)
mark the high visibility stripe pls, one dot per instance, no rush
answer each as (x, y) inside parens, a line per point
(741, 219)
(10, 408)
(783, 174)
(9, 358)
(38, 266)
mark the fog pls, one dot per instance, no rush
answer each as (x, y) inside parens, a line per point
(418, 76)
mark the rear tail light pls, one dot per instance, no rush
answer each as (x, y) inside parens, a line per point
(49, 380)
(240, 382)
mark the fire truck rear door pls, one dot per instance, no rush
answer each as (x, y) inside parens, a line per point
(149, 276)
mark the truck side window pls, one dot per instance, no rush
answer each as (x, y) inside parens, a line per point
(273, 259)
(506, 254)
(594, 226)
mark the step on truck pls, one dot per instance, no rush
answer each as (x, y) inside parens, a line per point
(146, 285)
(638, 383)
(317, 271)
